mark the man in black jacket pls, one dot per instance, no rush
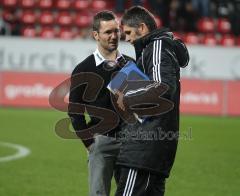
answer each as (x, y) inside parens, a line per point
(148, 150)
(88, 89)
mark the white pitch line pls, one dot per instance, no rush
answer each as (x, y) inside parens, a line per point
(21, 152)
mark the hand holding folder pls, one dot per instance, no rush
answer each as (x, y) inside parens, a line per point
(120, 84)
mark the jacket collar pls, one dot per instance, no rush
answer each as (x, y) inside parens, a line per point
(142, 42)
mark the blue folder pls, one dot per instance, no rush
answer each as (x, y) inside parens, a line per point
(129, 72)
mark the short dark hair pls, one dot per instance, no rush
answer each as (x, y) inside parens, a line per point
(136, 15)
(105, 15)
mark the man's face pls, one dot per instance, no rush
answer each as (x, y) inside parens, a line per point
(108, 35)
(131, 33)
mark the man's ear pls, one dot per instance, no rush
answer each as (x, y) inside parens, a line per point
(95, 35)
(143, 29)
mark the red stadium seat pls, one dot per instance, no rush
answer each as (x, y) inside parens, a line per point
(45, 4)
(98, 5)
(28, 17)
(47, 33)
(192, 38)
(209, 40)
(66, 33)
(27, 4)
(29, 32)
(47, 18)
(227, 40)
(206, 25)
(64, 19)
(223, 25)
(63, 4)
(83, 20)
(10, 3)
(81, 4)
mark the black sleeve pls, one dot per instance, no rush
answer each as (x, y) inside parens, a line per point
(159, 67)
(75, 96)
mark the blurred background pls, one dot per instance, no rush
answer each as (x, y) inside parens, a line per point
(41, 41)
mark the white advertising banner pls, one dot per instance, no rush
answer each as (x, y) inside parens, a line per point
(213, 63)
(42, 55)
(60, 56)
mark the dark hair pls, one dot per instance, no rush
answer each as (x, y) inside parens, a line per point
(136, 15)
(102, 16)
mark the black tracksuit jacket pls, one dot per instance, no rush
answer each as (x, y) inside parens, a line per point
(156, 56)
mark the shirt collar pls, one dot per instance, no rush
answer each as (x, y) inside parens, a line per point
(99, 59)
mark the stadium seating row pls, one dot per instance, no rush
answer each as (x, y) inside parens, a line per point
(211, 39)
(62, 18)
(50, 32)
(48, 18)
(210, 25)
(59, 4)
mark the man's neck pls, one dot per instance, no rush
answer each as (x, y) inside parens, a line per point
(108, 55)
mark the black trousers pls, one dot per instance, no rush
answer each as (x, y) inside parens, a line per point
(135, 182)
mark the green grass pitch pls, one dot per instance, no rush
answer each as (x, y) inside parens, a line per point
(207, 161)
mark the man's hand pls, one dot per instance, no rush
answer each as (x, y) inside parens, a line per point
(120, 100)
